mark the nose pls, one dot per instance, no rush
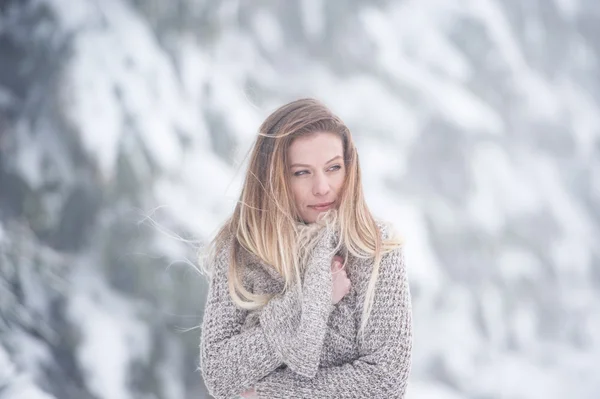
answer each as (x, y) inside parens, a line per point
(320, 185)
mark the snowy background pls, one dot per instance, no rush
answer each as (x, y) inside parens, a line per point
(123, 130)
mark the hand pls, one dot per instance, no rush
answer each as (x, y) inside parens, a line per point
(249, 394)
(341, 282)
(317, 244)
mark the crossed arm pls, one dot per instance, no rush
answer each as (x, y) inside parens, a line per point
(383, 367)
(291, 330)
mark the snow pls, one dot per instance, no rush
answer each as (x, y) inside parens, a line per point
(517, 264)
(313, 19)
(503, 188)
(121, 83)
(450, 99)
(503, 274)
(267, 30)
(583, 118)
(111, 336)
(570, 8)
(14, 385)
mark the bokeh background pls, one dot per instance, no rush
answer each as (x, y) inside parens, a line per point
(124, 126)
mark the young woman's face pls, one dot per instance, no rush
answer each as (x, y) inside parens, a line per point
(316, 164)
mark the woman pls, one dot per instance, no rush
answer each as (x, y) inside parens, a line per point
(308, 294)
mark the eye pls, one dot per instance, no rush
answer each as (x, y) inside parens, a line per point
(336, 167)
(300, 172)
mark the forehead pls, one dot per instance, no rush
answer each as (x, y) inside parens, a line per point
(316, 148)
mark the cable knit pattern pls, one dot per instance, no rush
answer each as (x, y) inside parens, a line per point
(296, 323)
(301, 346)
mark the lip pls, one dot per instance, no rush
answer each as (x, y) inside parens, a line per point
(323, 206)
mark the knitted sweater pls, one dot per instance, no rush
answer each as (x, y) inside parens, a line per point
(299, 345)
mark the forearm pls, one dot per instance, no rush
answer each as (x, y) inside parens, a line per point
(231, 359)
(234, 364)
(296, 324)
(291, 331)
(384, 361)
(355, 380)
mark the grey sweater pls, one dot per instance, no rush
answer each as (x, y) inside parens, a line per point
(302, 346)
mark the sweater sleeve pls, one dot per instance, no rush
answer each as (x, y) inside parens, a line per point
(290, 332)
(384, 363)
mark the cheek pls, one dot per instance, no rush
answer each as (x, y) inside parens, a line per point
(298, 187)
(339, 182)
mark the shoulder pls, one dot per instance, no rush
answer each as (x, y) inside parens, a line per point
(391, 256)
(248, 266)
(388, 233)
(392, 250)
(217, 257)
(384, 228)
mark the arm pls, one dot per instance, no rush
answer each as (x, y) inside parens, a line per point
(291, 330)
(385, 354)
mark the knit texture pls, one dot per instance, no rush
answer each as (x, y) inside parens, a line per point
(300, 345)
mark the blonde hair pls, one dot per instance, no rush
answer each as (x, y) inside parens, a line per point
(267, 223)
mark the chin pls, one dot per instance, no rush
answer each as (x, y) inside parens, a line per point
(309, 217)
(309, 220)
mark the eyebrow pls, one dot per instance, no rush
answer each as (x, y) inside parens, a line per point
(308, 166)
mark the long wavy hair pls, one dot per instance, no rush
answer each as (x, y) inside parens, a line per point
(266, 222)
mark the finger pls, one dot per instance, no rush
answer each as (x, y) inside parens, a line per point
(341, 272)
(336, 266)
